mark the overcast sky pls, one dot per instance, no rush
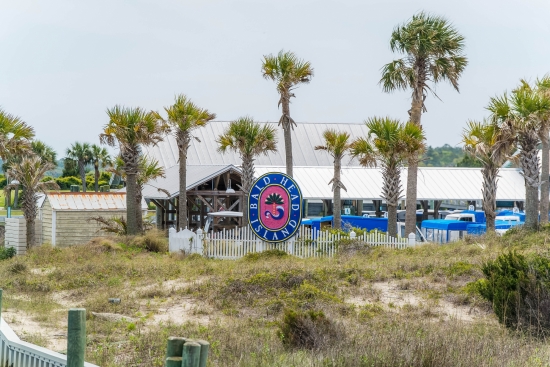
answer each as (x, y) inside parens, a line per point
(63, 62)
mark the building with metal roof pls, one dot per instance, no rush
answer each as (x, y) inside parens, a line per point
(305, 136)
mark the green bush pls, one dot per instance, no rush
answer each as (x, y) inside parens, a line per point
(66, 182)
(3, 181)
(310, 329)
(265, 255)
(519, 289)
(7, 253)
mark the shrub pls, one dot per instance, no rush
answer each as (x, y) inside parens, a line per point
(310, 329)
(519, 289)
(66, 182)
(7, 252)
(152, 241)
(265, 255)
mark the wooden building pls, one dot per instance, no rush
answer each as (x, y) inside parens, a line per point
(65, 215)
(210, 188)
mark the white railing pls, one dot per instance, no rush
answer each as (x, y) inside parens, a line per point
(17, 353)
(236, 243)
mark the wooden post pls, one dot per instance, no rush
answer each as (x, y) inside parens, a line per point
(191, 354)
(205, 346)
(174, 351)
(1, 303)
(76, 337)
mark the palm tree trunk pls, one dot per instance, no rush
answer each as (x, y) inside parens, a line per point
(131, 207)
(489, 192)
(412, 172)
(337, 200)
(530, 165)
(30, 211)
(287, 130)
(82, 175)
(183, 145)
(545, 173)
(16, 197)
(96, 167)
(248, 177)
(391, 190)
(139, 214)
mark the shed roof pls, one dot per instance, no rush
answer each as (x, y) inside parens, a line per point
(305, 135)
(434, 183)
(196, 175)
(87, 200)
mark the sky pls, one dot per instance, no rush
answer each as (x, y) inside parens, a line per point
(64, 62)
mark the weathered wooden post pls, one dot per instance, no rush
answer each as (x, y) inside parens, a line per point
(205, 346)
(191, 354)
(174, 351)
(0, 303)
(76, 337)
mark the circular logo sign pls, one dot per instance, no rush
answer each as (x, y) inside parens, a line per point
(275, 207)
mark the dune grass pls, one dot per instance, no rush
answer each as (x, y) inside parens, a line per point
(238, 305)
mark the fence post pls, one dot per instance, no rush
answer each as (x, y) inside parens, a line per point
(412, 239)
(191, 354)
(174, 351)
(199, 247)
(76, 337)
(352, 235)
(204, 352)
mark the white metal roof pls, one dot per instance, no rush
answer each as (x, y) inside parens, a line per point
(196, 175)
(87, 200)
(434, 183)
(305, 137)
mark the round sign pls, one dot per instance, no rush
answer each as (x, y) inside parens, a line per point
(275, 207)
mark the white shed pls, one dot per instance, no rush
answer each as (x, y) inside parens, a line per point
(65, 215)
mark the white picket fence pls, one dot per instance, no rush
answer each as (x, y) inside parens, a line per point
(236, 243)
(17, 353)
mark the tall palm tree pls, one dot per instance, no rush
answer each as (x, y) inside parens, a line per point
(389, 144)
(149, 169)
(491, 145)
(250, 139)
(432, 50)
(522, 114)
(81, 154)
(287, 71)
(337, 145)
(99, 156)
(129, 128)
(29, 172)
(183, 117)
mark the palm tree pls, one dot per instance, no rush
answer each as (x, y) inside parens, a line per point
(389, 144)
(149, 169)
(491, 145)
(250, 139)
(337, 145)
(81, 154)
(99, 156)
(30, 172)
(433, 53)
(522, 114)
(44, 151)
(130, 128)
(288, 72)
(183, 117)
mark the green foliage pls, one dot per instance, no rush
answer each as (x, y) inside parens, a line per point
(307, 329)
(7, 252)
(70, 168)
(518, 288)
(65, 183)
(468, 161)
(3, 181)
(444, 156)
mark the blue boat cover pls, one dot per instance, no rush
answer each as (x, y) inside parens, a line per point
(445, 225)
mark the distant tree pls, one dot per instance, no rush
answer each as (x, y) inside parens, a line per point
(468, 161)
(29, 172)
(491, 146)
(337, 144)
(130, 128)
(443, 156)
(389, 144)
(99, 157)
(250, 139)
(287, 71)
(433, 53)
(44, 151)
(81, 155)
(183, 118)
